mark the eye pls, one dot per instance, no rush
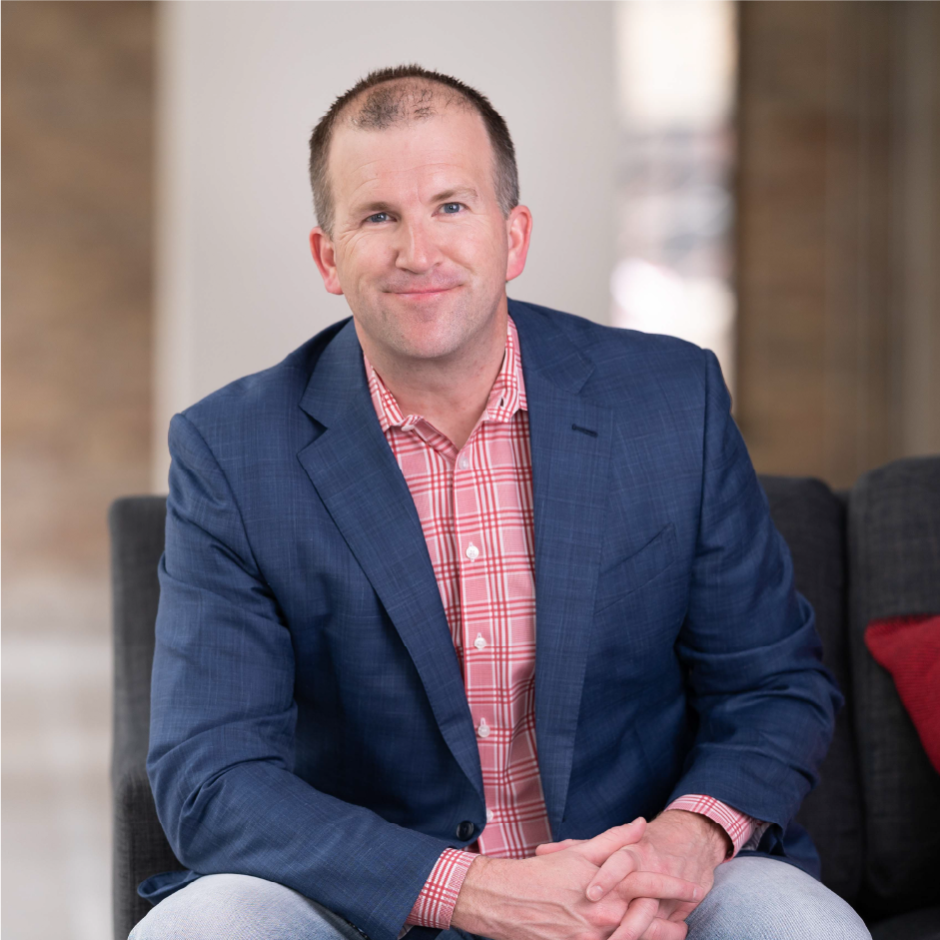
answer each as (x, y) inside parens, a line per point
(451, 208)
(378, 217)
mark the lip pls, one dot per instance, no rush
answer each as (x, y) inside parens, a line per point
(422, 293)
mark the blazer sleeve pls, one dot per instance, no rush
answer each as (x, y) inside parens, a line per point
(223, 720)
(765, 704)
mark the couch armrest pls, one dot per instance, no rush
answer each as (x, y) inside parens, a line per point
(140, 848)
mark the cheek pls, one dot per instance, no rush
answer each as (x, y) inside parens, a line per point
(477, 247)
(361, 260)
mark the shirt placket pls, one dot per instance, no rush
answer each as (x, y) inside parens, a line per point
(479, 644)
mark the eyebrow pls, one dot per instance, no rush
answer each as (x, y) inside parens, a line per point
(372, 207)
(466, 193)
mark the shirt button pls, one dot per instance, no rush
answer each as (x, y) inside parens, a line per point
(479, 642)
(473, 553)
(465, 830)
(489, 815)
(463, 463)
(484, 729)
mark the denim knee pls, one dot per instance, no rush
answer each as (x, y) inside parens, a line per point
(240, 907)
(764, 899)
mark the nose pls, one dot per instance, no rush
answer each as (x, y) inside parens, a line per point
(418, 251)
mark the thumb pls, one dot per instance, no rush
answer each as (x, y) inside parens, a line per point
(601, 847)
(548, 847)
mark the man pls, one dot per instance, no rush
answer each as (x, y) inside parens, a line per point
(463, 576)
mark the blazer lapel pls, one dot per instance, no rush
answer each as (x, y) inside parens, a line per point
(361, 485)
(571, 446)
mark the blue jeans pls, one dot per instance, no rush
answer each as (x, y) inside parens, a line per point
(752, 899)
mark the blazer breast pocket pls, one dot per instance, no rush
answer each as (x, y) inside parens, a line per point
(631, 573)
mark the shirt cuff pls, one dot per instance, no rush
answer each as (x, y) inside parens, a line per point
(438, 898)
(739, 826)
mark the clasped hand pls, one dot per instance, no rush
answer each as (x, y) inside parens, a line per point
(633, 882)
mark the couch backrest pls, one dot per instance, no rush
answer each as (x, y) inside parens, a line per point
(811, 518)
(894, 569)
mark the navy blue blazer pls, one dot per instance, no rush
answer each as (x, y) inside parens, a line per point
(309, 720)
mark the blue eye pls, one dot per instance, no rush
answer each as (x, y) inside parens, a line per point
(378, 217)
(451, 208)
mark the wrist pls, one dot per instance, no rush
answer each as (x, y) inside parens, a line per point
(472, 899)
(708, 835)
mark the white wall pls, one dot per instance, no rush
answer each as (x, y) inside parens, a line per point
(241, 86)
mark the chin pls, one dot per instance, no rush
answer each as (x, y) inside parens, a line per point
(428, 348)
(433, 337)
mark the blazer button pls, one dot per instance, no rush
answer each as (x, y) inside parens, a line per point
(465, 830)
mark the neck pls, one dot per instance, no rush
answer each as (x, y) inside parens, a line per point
(451, 392)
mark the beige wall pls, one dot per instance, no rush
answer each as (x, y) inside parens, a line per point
(243, 83)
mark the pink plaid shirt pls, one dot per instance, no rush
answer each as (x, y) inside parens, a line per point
(475, 507)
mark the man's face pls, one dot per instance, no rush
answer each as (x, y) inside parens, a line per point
(420, 247)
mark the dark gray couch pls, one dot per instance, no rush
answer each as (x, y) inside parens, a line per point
(874, 552)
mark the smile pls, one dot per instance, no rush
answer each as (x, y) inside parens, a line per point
(418, 294)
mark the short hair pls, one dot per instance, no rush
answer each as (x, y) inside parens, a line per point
(404, 93)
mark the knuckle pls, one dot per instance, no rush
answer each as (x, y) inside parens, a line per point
(599, 917)
(629, 888)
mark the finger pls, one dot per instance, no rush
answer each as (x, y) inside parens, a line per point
(618, 866)
(599, 849)
(640, 914)
(546, 848)
(667, 888)
(676, 910)
(661, 929)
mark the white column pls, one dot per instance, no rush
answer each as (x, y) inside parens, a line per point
(241, 86)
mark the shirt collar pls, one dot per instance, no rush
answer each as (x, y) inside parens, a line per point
(507, 395)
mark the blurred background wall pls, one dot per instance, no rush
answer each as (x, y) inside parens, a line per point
(838, 235)
(78, 97)
(759, 177)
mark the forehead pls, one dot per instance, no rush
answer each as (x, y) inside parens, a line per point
(452, 145)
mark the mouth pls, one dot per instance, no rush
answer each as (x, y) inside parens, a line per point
(424, 293)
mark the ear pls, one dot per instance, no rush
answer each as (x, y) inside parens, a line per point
(324, 254)
(519, 230)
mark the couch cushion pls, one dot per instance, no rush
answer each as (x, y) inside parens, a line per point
(811, 518)
(894, 569)
(916, 925)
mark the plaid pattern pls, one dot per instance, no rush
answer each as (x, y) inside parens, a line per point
(438, 898)
(476, 512)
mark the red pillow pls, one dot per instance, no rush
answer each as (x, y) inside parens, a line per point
(909, 648)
